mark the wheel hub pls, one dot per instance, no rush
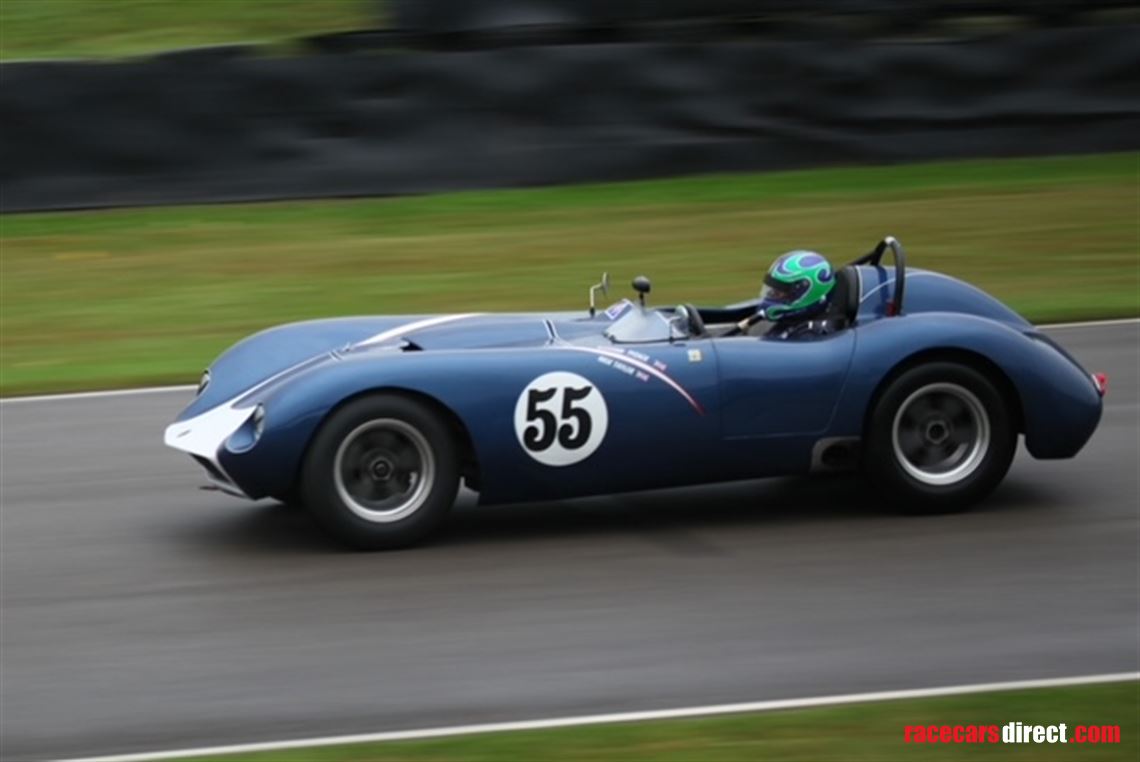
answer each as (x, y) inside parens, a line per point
(937, 431)
(381, 469)
(941, 434)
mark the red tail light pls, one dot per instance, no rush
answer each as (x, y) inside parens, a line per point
(1101, 381)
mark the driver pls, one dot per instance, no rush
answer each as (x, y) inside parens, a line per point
(796, 293)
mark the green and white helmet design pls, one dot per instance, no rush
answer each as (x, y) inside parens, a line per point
(798, 285)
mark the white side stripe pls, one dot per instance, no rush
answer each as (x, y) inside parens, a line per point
(600, 719)
(646, 367)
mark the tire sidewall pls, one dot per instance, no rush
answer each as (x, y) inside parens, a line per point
(886, 473)
(318, 485)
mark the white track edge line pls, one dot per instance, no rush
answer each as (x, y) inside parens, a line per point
(98, 394)
(185, 388)
(618, 717)
(1090, 323)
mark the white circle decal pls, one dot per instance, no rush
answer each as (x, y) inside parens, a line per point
(560, 418)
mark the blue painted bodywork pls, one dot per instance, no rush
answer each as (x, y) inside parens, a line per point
(717, 409)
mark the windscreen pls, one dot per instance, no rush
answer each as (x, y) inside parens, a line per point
(641, 325)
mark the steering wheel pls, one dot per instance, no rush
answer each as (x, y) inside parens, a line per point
(693, 321)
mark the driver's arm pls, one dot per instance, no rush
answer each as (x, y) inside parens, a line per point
(726, 314)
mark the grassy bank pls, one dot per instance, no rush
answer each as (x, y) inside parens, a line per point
(144, 296)
(113, 28)
(862, 732)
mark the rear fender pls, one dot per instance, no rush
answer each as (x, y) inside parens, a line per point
(1058, 403)
(928, 291)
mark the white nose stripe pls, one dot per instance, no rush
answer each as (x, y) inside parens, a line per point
(404, 330)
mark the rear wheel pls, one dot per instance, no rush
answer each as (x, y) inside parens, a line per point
(940, 439)
(381, 473)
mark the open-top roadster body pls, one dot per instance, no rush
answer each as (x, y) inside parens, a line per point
(373, 422)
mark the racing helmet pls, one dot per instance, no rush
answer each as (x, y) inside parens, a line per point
(797, 286)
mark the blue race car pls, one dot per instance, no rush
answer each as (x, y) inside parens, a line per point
(915, 378)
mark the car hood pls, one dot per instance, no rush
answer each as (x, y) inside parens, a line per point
(277, 351)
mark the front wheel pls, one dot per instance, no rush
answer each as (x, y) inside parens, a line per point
(940, 438)
(381, 473)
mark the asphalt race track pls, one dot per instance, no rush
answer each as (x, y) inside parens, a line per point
(139, 613)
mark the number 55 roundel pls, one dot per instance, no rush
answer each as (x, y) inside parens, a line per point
(560, 418)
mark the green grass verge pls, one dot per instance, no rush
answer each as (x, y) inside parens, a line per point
(113, 28)
(856, 733)
(142, 296)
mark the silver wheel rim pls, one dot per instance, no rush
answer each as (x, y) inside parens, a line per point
(384, 470)
(941, 434)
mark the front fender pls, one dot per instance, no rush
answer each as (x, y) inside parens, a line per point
(481, 388)
(280, 349)
(297, 404)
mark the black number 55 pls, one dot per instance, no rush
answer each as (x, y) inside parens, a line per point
(572, 428)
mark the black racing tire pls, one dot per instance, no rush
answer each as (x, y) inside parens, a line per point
(940, 439)
(381, 473)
